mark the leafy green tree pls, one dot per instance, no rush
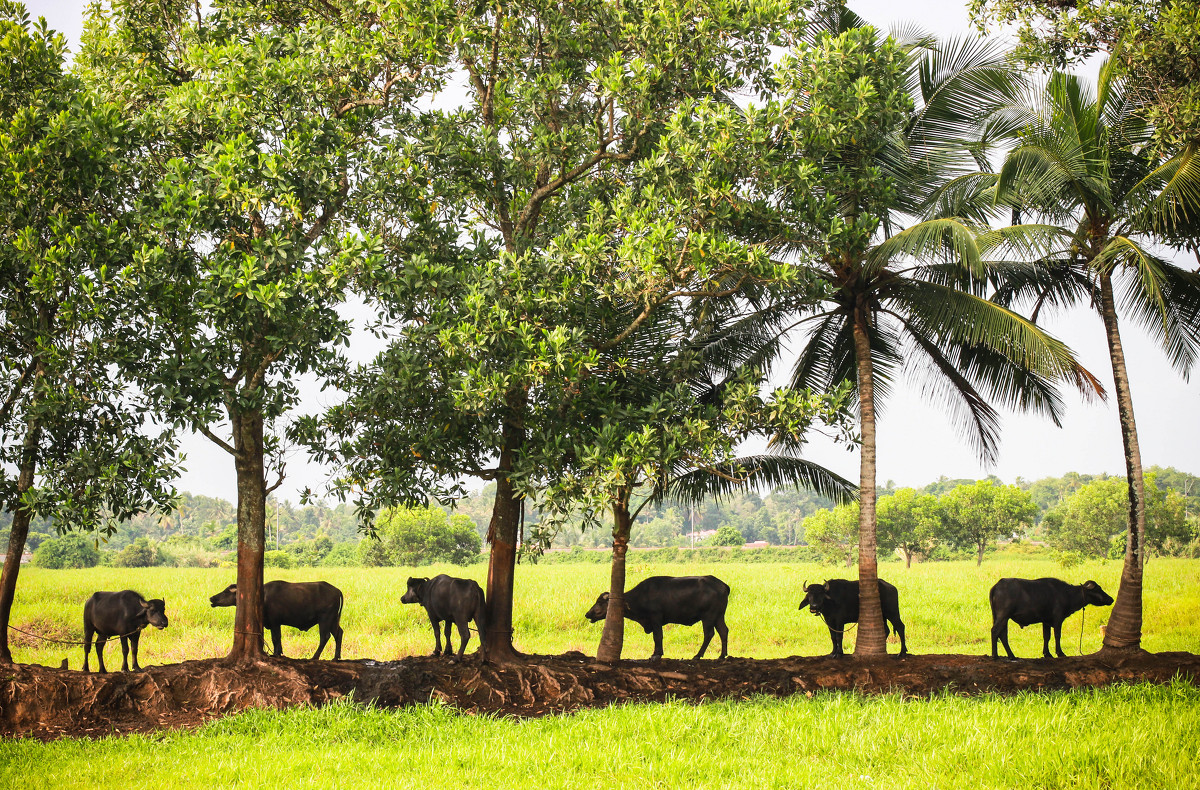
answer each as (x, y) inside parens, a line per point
(1084, 166)
(1089, 520)
(260, 122)
(975, 516)
(727, 535)
(69, 551)
(139, 554)
(896, 133)
(75, 447)
(833, 534)
(909, 522)
(1155, 42)
(421, 536)
(530, 229)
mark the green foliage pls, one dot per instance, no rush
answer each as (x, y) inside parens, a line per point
(68, 551)
(423, 536)
(279, 559)
(342, 555)
(1156, 43)
(833, 534)
(139, 554)
(974, 516)
(908, 522)
(1095, 518)
(727, 535)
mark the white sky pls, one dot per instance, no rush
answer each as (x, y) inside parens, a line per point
(916, 442)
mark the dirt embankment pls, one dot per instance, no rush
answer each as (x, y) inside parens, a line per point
(49, 703)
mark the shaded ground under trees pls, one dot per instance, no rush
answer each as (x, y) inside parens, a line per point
(50, 703)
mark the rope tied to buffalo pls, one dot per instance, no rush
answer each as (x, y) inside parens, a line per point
(99, 637)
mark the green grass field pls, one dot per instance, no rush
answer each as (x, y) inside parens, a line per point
(1135, 737)
(944, 606)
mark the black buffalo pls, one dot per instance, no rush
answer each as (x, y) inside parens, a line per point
(685, 600)
(455, 601)
(300, 605)
(122, 614)
(836, 601)
(1047, 601)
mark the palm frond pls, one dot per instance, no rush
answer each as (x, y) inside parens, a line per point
(757, 471)
(1165, 301)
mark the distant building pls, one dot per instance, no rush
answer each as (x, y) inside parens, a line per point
(758, 544)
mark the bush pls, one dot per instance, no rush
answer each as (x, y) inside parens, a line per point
(727, 535)
(278, 559)
(421, 536)
(342, 555)
(69, 551)
(139, 554)
(1069, 559)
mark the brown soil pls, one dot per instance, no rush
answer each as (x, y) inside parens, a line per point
(50, 703)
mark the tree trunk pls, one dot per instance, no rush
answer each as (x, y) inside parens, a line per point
(1125, 623)
(252, 529)
(871, 638)
(979, 554)
(16, 537)
(908, 555)
(613, 638)
(502, 560)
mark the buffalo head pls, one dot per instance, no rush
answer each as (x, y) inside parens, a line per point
(599, 609)
(1094, 595)
(416, 588)
(815, 596)
(156, 612)
(227, 597)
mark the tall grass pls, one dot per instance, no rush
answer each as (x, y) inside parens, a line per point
(944, 606)
(1136, 737)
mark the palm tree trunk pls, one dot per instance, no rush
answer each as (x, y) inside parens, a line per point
(252, 530)
(613, 638)
(1125, 623)
(871, 639)
(18, 534)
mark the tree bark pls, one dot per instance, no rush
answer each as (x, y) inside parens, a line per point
(613, 638)
(979, 554)
(502, 534)
(18, 534)
(1125, 623)
(871, 638)
(252, 521)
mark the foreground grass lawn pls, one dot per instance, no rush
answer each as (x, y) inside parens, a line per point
(1124, 737)
(944, 605)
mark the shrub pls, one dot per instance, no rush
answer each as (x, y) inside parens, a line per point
(342, 555)
(421, 536)
(278, 559)
(727, 535)
(69, 551)
(139, 554)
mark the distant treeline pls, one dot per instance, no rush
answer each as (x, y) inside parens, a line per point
(202, 531)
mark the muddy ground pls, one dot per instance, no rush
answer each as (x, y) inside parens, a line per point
(50, 703)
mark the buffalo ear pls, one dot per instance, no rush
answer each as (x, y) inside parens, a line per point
(145, 604)
(826, 585)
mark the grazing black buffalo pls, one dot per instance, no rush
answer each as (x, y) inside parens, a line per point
(1047, 601)
(836, 601)
(456, 601)
(685, 600)
(300, 605)
(122, 614)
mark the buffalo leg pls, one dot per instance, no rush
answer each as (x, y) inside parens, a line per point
(88, 631)
(1058, 640)
(100, 640)
(835, 635)
(449, 642)
(124, 653)
(898, 627)
(133, 644)
(464, 634)
(437, 635)
(708, 635)
(337, 643)
(324, 632)
(1000, 633)
(277, 640)
(723, 632)
(1046, 640)
(658, 649)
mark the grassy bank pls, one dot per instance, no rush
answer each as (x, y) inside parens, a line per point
(1139, 737)
(943, 604)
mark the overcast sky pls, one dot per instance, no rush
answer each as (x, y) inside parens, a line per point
(916, 442)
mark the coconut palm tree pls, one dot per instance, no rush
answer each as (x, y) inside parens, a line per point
(911, 299)
(1085, 167)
